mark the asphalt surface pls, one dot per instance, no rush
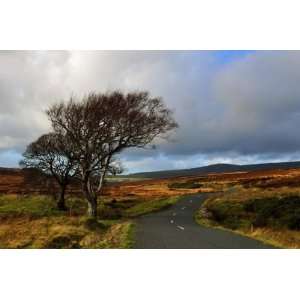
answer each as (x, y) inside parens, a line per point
(175, 228)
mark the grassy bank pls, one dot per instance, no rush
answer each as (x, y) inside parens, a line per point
(34, 222)
(149, 206)
(269, 215)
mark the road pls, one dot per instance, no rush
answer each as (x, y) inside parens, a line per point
(175, 228)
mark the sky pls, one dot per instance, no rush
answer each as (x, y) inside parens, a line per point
(231, 106)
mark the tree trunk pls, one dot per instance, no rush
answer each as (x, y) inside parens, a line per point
(101, 180)
(61, 204)
(92, 207)
(91, 198)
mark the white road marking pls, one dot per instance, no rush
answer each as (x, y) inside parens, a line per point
(172, 221)
(180, 227)
(183, 207)
(191, 201)
(174, 214)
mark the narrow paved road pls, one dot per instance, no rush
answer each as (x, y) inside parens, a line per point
(175, 228)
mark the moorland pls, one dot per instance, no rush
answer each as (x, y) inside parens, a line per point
(262, 204)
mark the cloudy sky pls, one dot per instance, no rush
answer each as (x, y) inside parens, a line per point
(232, 106)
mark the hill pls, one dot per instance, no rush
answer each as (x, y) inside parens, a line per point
(216, 168)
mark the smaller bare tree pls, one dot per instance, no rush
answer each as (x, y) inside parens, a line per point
(49, 154)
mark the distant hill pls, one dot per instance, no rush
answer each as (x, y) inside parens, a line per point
(9, 170)
(216, 168)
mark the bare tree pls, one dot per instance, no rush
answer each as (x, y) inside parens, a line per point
(102, 125)
(49, 154)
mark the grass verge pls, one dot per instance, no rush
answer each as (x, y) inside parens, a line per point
(121, 236)
(271, 216)
(34, 222)
(149, 206)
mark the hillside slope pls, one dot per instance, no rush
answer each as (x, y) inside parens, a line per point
(216, 168)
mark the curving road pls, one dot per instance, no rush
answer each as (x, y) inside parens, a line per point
(175, 228)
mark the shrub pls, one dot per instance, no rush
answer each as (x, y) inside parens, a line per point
(227, 213)
(292, 220)
(275, 212)
(64, 242)
(93, 224)
(108, 212)
(184, 185)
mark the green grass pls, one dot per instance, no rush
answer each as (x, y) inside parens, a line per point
(34, 222)
(149, 206)
(272, 217)
(37, 206)
(275, 212)
(43, 206)
(126, 237)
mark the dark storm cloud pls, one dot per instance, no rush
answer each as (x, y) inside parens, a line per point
(244, 109)
(255, 108)
(262, 98)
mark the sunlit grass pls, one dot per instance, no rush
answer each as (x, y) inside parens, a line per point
(34, 222)
(149, 206)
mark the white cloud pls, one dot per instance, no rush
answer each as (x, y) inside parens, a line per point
(249, 106)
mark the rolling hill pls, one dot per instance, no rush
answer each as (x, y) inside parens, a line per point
(216, 168)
